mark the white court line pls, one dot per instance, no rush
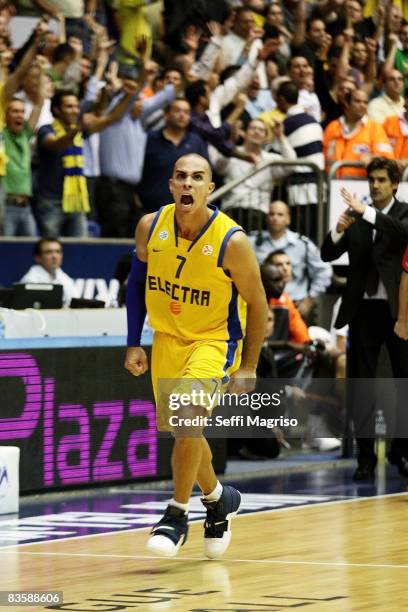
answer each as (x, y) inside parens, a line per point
(148, 528)
(271, 561)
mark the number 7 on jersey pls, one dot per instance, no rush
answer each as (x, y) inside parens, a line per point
(182, 262)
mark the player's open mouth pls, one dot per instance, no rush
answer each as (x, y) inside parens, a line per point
(186, 199)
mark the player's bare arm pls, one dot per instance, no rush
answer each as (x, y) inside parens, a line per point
(241, 263)
(136, 359)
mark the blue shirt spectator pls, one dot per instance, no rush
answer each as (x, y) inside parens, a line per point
(310, 274)
(122, 145)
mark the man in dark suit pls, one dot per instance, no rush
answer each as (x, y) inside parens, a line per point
(374, 238)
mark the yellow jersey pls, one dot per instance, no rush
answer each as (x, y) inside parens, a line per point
(188, 294)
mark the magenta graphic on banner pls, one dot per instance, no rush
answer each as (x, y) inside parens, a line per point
(78, 443)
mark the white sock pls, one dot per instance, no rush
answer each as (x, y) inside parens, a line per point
(216, 494)
(177, 504)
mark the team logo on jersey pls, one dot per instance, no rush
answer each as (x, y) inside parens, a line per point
(163, 235)
(207, 249)
(175, 308)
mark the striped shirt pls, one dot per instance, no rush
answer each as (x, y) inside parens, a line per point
(305, 135)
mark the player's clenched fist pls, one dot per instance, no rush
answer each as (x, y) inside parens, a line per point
(136, 360)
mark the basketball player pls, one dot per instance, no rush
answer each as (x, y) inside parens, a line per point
(196, 274)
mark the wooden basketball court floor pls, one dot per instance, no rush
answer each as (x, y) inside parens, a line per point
(308, 548)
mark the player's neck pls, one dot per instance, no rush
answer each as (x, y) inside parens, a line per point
(190, 224)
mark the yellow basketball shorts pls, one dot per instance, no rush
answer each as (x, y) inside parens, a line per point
(188, 368)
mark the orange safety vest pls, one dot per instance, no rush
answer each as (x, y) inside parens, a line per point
(289, 324)
(369, 137)
(398, 140)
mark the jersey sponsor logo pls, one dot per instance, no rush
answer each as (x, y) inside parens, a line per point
(208, 249)
(164, 234)
(179, 293)
(175, 308)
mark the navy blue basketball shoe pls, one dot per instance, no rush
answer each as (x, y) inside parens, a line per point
(169, 533)
(217, 525)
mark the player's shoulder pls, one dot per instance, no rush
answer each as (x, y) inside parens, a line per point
(226, 222)
(148, 222)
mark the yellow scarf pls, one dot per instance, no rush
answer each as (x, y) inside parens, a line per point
(75, 196)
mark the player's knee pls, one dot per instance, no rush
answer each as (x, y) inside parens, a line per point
(189, 421)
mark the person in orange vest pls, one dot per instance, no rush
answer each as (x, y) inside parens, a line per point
(396, 129)
(355, 137)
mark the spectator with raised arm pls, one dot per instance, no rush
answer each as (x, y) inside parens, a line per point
(63, 199)
(122, 151)
(308, 35)
(241, 43)
(19, 220)
(398, 57)
(198, 95)
(358, 59)
(8, 87)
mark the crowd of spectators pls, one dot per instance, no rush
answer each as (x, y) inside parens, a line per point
(101, 97)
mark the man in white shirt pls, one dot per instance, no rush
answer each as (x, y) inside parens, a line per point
(47, 268)
(241, 44)
(391, 102)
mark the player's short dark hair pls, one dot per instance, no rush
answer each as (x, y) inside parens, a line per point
(195, 91)
(389, 165)
(37, 250)
(289, 91)
(196, 155)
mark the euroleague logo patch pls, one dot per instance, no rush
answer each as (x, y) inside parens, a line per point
(163, 235)
(208, 249)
